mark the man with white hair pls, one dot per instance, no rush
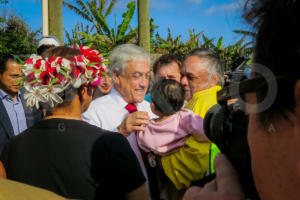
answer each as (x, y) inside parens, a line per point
(202, 78)
(124, 109)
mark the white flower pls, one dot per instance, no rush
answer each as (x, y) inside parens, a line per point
(52, 94)
(34, 95)
(76, 83)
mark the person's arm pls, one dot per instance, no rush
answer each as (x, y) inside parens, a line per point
(140, 193)
(193, 124)
(133, 122)
(226, 186)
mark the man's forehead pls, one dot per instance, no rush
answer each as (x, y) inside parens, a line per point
(138, 66)
(13, 66)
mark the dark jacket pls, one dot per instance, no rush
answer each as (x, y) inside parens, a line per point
(6, 129)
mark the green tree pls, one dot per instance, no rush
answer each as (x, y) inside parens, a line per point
(111, 37)
(16, 36)
(169, 45)
(106, 37)
(92, 11)
(231, 54)
(75, 38)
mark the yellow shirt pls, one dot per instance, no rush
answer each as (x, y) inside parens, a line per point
(202, 101)
(193, 160)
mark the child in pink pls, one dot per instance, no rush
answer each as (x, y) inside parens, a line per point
(168, 133)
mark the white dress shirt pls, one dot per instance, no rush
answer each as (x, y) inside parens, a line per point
(109, 111)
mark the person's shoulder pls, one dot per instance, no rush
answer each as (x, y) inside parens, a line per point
(185, 111)
(100, 103)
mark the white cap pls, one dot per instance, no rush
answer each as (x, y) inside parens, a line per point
(48, 40)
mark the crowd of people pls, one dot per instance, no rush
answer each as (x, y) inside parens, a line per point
(79, 129)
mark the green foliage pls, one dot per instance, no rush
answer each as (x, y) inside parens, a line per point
(16, 37)
(230, 54)
(152, 28)
(170, 45)
(75, 37)
(105, 37)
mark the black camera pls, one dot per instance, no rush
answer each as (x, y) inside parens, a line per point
(226, 125)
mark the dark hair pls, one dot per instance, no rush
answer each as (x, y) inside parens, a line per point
(215, 63)
(4, 58)
(167, 96)
(61, 51)
(277, 48)
(165, 60)
(43, 48)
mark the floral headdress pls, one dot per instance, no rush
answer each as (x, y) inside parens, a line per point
(44, 79)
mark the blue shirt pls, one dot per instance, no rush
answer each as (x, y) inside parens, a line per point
(148, 97)
(15, 112)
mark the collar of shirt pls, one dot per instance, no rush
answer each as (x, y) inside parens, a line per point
(4, 95)
(211, 90)
(118, 98)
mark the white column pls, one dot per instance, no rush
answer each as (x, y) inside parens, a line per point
(45, 17)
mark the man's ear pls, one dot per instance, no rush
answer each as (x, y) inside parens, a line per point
(216, 79)
(116, 77)
(82, 91)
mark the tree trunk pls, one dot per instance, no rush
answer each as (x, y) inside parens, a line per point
(55, 19)
(144, 30)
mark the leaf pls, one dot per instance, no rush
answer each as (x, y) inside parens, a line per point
(245, 33)
(19, 59)
(97, 15)
(164, 46)
(122, 28)
(79, 11)
(220, 43)
(129, 36)
(110, 7)
(169, 38)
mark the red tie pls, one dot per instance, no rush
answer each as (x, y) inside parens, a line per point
(131, 108)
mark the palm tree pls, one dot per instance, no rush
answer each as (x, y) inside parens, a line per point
(92, 11)
(107, 38)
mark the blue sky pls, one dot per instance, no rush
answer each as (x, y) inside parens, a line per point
(214, 17)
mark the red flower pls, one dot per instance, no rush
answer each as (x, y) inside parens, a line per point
(29, 61)
(59, 60)
(38, 64)
(92, 69)
(52, 59)
(30, 77)
(44, 76)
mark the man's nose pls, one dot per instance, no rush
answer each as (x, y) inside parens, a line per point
(184, 81)
(144, 81)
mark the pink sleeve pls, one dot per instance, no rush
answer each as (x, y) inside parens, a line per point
(192, 123)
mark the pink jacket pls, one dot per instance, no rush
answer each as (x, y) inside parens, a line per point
(168, 136)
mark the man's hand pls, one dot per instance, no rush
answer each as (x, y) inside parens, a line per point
(134, 122)
(225, 187)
